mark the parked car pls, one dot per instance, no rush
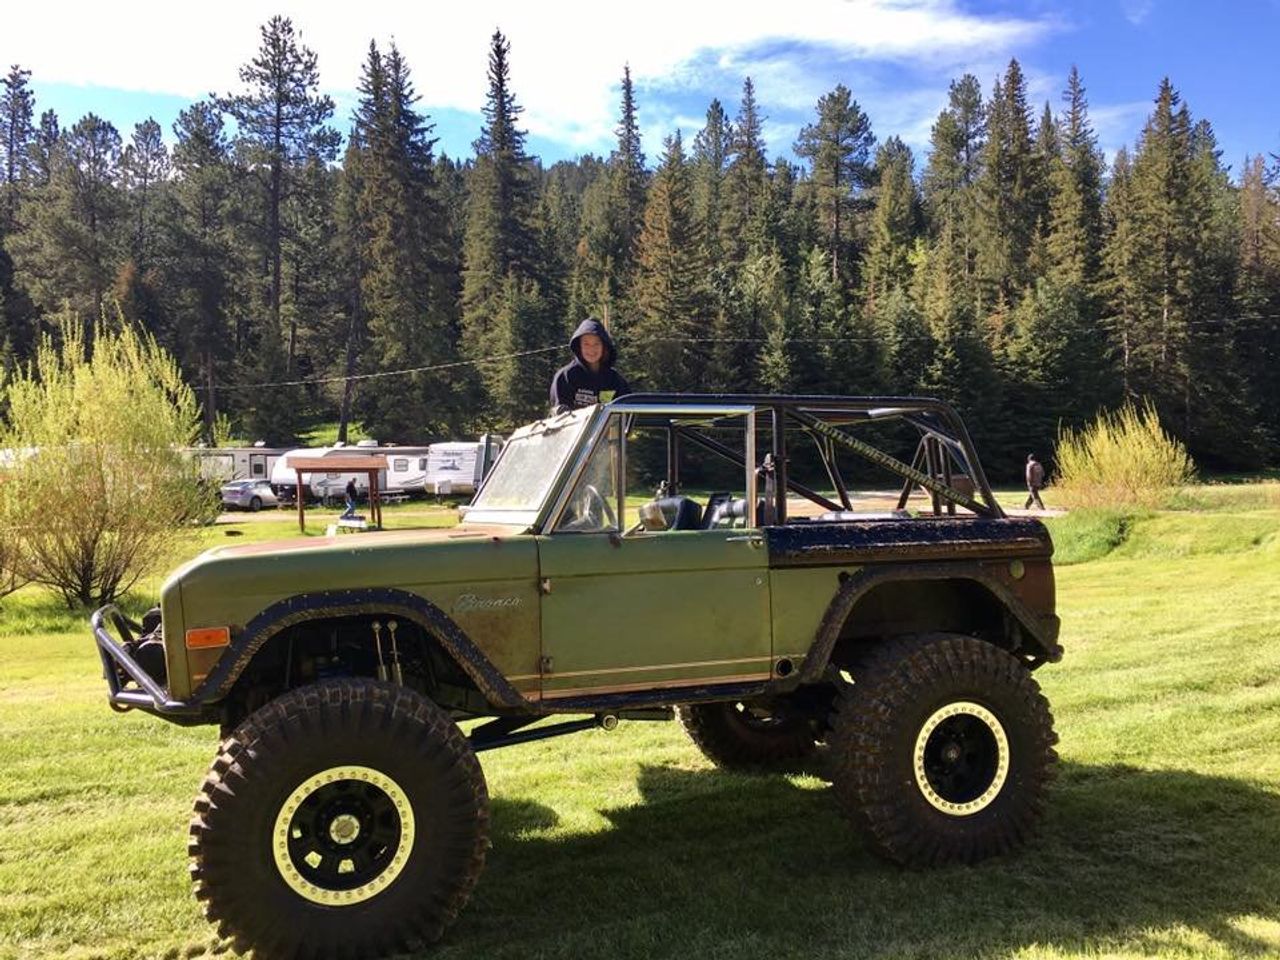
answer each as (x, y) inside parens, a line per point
(249, 495)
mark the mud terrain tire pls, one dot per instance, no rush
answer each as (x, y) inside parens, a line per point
(736, 736)
(343, 819)
(941, 749)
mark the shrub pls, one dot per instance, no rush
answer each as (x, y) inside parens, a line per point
(10, 578)
(1122, 459)
(102, 492)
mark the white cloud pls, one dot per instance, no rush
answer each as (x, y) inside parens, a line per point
(1137, 11)
(1118, 124)
(566, 58)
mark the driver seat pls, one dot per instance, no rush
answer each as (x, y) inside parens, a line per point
(672, 513)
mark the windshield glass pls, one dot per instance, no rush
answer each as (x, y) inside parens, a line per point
(530, 462)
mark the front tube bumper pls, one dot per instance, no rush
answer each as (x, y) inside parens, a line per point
(119, 668)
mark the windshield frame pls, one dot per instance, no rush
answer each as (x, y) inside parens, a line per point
(529, 514)
(679, 412)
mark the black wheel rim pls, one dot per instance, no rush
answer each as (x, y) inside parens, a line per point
(343, 835)
(961, 758)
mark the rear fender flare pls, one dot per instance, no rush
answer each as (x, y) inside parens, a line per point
(856, 586)
(341, 603)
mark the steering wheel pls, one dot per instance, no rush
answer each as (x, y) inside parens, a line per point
(595, 510)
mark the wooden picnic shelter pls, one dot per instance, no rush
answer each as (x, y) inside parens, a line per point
(366, 463)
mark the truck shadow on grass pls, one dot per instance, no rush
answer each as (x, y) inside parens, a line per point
(718, 864)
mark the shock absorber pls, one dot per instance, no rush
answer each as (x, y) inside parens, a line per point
(377, 642)
(396, 673)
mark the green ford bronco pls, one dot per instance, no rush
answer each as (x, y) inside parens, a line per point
(753, 596)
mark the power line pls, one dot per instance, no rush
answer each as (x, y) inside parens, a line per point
(431, 368)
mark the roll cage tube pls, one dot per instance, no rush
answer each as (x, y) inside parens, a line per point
(944, 439)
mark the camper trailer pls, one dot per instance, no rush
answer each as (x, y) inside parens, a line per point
(459, 466)
(329, 486)
(223, 464)
(454, 467)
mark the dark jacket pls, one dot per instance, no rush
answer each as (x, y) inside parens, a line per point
(351, 490)
(1035, 475)
(576, 385)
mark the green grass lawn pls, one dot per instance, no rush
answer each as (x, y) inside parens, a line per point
(1161, 838)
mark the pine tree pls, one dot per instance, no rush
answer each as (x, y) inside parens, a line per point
(627, 173)
(281, 123)
(406, 289)
(949, 183)
(144, 168)
(961, 369)
(908, 347)
(613, 217)
(68, 252)
(894, 222)
(1169, 291)
(668, 289)
(746, 179)
(500, 248)
(201, 255)
(710, 161)
(1009, 192)
(1257, 293)
(838, 148)
(17, 105)
(518, 385)
(1075, 190)
(1120, 283)
(43, 147)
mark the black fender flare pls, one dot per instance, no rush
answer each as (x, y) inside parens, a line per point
(340, 603)
(853, 587)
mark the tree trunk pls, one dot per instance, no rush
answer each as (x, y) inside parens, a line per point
(210, 399)
(348, 385)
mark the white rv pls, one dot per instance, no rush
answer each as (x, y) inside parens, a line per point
(458, 466)
(225, 464)
(330, 486)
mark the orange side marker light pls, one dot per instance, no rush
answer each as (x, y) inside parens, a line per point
(205, 637)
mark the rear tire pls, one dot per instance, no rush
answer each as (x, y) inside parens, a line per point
(740, 736)
(941, 750)
(347, 818)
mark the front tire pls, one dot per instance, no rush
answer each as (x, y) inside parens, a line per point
(740, 736)
(347, 818)
(941, 750)
(255, 504)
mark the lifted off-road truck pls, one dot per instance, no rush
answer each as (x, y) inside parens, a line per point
(356, 678)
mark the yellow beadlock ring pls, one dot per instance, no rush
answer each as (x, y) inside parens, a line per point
(342, 898)
(984, 800)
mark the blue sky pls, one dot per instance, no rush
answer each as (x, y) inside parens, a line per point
(130, 60)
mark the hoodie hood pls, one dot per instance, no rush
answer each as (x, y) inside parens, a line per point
(592, 325)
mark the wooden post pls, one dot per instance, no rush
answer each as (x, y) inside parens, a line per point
(302, 523)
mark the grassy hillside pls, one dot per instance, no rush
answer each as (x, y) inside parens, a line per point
(1160, 840)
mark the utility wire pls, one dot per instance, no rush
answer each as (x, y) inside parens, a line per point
(431, 368)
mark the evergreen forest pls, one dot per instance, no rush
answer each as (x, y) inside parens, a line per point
(305, 267)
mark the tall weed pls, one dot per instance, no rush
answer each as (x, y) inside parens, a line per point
(1122, 459)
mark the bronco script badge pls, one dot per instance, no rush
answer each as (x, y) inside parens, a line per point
(470, 603)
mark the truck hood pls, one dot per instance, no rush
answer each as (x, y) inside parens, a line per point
(352, 543)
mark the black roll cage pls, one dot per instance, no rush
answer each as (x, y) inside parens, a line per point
(945, 462)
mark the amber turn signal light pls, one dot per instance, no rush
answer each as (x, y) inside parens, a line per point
(206, 637)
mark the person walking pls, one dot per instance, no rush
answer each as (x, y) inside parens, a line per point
(1035, 482)
(351, 492)
(590, 377)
